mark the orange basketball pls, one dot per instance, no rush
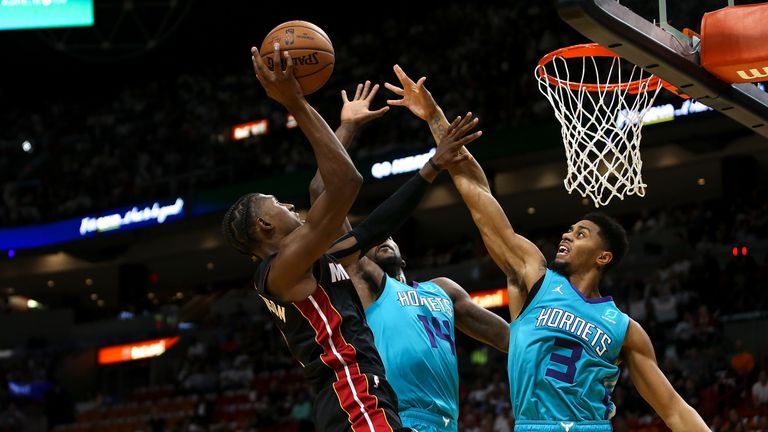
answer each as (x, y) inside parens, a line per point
(310, 48)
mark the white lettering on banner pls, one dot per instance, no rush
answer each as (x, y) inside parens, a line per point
(134, 215)
(247, 130)
(401, 165)
(660, 113)
(149, 350)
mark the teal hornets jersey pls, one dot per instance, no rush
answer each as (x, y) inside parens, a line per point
(563, 354)
(413, 331)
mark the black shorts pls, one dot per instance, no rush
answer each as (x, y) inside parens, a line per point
(357, 403)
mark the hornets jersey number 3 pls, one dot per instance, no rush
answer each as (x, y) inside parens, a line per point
(563, 354)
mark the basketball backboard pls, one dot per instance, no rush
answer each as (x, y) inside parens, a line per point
(664, 54)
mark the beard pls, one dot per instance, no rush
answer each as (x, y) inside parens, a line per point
(391, 264)
(561, 267)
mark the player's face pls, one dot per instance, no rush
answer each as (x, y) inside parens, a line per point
(282, 216)
(385, 254)
(579, 247)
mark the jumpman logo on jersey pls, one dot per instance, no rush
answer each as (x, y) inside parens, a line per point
(446, 420)
(557, 290)
(566, 426)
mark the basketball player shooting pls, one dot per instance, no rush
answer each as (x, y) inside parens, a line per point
(309, 296)
(566, 340)
(413, 326)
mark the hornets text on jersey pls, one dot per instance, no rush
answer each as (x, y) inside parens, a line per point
(563, 355)
(413, 328)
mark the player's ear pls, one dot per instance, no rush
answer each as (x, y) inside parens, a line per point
(402, 263)
(264, 225)
(604, 258)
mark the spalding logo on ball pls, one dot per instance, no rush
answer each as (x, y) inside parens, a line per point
(310, 48)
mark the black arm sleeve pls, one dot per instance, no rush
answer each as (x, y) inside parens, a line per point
(386, 218)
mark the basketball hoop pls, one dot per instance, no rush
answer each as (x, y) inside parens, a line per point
(600, 122)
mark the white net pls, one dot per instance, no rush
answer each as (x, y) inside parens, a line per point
(600, 124)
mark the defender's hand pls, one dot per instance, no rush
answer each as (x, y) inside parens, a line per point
(451, 148)
(415, 96)
(281, 85)
(356, 112)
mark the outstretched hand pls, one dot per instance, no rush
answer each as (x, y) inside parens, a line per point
(415, 96)
(451, 148)
(356, 112)
(281, 85)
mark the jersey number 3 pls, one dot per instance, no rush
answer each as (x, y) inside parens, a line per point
(568, 361)
(438, 331)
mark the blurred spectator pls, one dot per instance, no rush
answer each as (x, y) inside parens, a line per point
(156, 422)
(760, 390)
(742, 361)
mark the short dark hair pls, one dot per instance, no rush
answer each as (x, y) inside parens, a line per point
(613, 234)
(236, 224)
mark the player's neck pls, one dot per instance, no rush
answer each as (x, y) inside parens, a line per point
(400, 276)
(588, 283)
(266, 250)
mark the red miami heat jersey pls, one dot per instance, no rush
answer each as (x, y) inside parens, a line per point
(327, 333)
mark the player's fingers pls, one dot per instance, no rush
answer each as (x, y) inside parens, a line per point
(469, 138)
(255, 66)
(288, 64)
(258, 62)
(466, 125)
(358, 91)
(464, 130)
(366, 89)
(394, 89)
(404, 79)
(420, 82)
(344, 96)
(460, 126)
(454, 125)
(373, 92)
(397, 102)
(464, 120)
(379, 112)
(278, 65)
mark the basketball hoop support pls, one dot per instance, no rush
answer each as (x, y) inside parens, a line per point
(664, 23)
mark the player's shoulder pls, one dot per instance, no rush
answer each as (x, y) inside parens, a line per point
(262, 271)
(452, 289)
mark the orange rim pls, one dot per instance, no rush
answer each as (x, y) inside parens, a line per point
(596, 50)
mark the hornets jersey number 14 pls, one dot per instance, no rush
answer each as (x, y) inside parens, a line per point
(413, 328)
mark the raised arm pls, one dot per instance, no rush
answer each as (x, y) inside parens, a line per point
(473, 319)
(290, 275)
(395, 210)
(653, 386)
(519, 259)
(354, 114)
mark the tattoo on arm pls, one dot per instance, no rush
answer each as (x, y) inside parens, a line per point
(438, 125)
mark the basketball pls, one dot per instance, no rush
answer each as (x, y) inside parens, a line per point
(310, 48)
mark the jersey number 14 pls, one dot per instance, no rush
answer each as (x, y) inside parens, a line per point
(429, 325)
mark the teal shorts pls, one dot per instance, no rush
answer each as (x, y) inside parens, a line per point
(562, 426)
(424, 421)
